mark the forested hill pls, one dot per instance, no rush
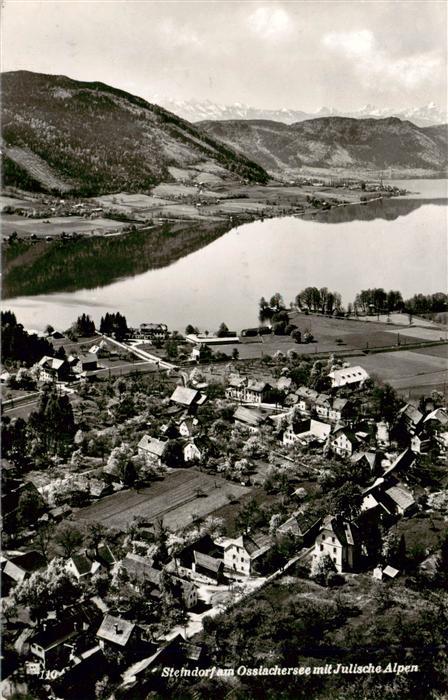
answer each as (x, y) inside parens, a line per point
(337, 143)
(64, 135)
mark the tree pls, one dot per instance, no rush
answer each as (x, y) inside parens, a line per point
(321, 569)
(84, 326)
(347, 501)
(49, 329)
(296, 335)
(385, 403)
(49, 589)
(52, 426)
(161, 540)
(191, 330)
(222, 330)
(173, 455)
(30, 507)
(171, 348)
(69, 538)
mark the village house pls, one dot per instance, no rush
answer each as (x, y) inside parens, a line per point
(256, 391)
(188, 427)
(306, 399)
(420, 443)
(52, 369)
(117, 633)
(409, 417)
(343, 442)
(236, 387)
(398, 500)
(21, 566)
(153, 331)
(192, 453)
(340, 409)
(340, 541)
(188, 398)
(187, 591)
(81, 566)
(152, 450)
(249, 418)
(370, 461)
(203, 558)
(86, 366)
(51, 645)
(304, 431)
(99, 351)
(244, 555)
(142, 574)
(348, 376)
(322, 405)
(304, 528)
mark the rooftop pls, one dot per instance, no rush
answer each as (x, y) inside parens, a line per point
(116, 630)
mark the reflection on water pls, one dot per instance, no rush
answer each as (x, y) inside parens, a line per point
(214, 277)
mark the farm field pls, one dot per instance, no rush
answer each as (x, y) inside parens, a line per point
(328, 334)
(57, 225)
(407, 371)
(426, 333)
(434, 350)
(175, 499)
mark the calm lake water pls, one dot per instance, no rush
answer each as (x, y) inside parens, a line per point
(396, 244)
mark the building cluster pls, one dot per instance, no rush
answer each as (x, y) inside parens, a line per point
(74, 640)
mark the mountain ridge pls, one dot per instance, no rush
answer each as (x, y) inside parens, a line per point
(91, 138)
(196, 111)
(336, 143)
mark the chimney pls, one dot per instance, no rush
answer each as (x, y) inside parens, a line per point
(117, 629)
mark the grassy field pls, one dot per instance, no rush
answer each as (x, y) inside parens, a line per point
(57, 225)
(410, 372)
(177, 499)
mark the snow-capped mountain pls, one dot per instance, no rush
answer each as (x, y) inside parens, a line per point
(195, 111)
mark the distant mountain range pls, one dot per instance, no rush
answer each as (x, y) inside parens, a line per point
(195, 111)
(336, 143)
(64, 135)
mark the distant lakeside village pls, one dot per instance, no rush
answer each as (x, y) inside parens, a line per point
(160, 488)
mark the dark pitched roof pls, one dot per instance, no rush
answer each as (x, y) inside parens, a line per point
(29, 561)
(346, 533)
(54, 634)
(82, 563)
(208, 562)
(105, 555)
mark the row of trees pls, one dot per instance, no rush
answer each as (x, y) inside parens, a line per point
(320, 300)
(427, 303)
(378, 300)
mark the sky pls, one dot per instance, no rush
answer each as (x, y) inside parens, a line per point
(300, 55)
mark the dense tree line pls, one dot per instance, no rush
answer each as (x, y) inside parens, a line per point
(319, 300)
(84, 326)
(427, 303)
(19, 346)
(114, 324)
(378, 300)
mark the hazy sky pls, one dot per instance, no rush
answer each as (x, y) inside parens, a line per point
(266, 54)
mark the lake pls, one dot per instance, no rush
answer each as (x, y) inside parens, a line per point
(394, 243)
